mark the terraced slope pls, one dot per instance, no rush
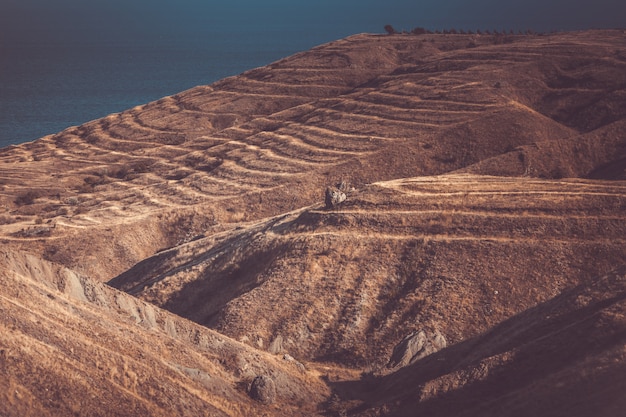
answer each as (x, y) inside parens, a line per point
(486, 195)
(452, 254)
(363, 109)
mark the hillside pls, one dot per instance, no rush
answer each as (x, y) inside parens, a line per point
(171, 253)
(71, 346)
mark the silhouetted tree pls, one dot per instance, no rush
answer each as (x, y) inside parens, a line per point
(390, 30)
(418, 31)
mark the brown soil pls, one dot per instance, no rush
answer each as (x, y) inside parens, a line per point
(486, 184)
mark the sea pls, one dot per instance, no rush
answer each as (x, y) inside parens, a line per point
(47, 87)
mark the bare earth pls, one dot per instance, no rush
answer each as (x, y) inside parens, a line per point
(157, 261)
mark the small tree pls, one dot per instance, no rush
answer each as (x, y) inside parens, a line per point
(390, 30)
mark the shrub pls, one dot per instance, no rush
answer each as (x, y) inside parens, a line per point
(418, 31)
(26, 198)
(6, 219)
(390, 30)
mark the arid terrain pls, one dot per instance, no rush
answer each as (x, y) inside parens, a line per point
(178, 258)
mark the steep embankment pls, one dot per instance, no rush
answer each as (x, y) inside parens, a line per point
(71, 346)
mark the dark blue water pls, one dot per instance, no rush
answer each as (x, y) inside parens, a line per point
(46, 88)
(66, 62)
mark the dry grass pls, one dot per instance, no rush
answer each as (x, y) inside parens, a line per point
(489, 187)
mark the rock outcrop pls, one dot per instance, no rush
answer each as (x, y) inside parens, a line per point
(416, 346)
(333, 197)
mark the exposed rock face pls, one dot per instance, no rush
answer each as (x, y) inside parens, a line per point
(334, 197)
(276, 346)
(263, 389)
(416, 346)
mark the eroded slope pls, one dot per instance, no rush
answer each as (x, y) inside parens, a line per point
(71, 346)
(562, 357)
(452, 254)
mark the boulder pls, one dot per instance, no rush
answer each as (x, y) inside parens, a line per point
(263, 389)
(334, 197)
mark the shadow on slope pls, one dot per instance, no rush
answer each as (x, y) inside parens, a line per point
(457, 254)
(600, 154)
(198, 279)
(562, 357)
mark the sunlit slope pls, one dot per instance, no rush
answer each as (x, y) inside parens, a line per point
(363, 109)
(71, 346)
